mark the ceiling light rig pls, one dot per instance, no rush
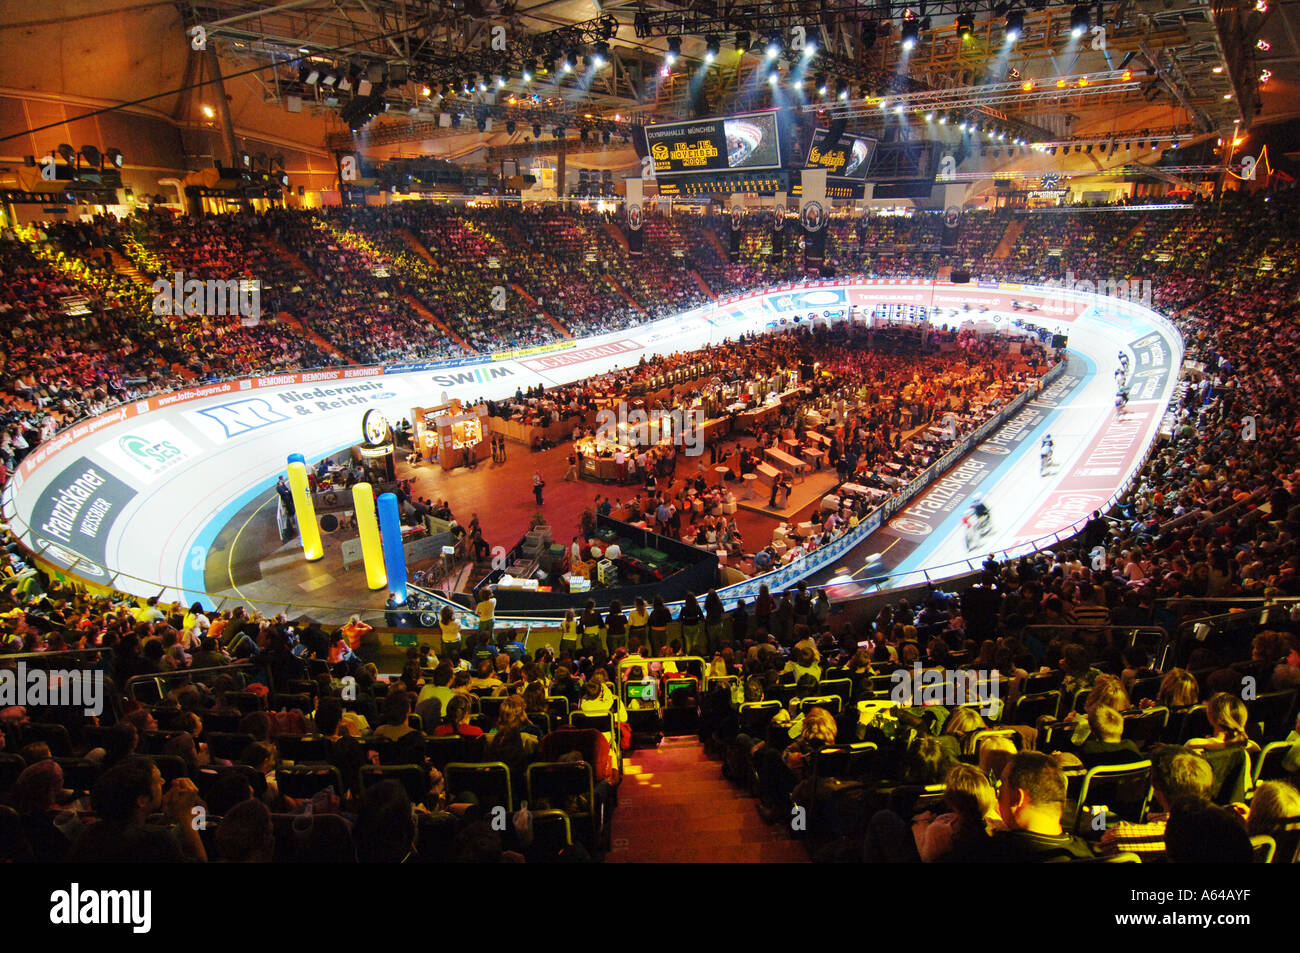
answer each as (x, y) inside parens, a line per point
(1080, 21)
(1015, 25)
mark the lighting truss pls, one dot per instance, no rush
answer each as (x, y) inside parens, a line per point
(993, 94)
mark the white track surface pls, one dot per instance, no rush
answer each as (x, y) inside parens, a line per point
(226, 444)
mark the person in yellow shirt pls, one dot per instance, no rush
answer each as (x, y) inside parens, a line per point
(486, 610)
(569, 632)
(149, 612)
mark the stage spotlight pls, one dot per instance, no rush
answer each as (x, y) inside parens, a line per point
(841, 89)
(965, 26)
(114, 158)
(93, 157)
(712, 47)
(1080, 21)
(810, 50)
(602, 53)
(1015, 25)
(821, 82)
(869, 32)
(910, 33)
(674, 50)
(570, 59)
(773, 78)
(742, 41)
(774, 45)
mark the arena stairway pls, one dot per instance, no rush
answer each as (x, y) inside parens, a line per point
(1009, 237)
(1132, 232)
(675, 806)
(124, 266)
(285, 252)
(616, 233)
(704, 285)
(716, 242)
(532, 303)
(425, 313)
(288, 319)
(416, 245)
(623, 294)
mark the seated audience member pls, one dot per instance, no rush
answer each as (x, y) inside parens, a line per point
(1030, 803)
(1206, 834)
(385, 831)
(1105, 744)
(456, 721)
(124, 797)
(994, 753)
(1276, 804)
(510, 743)
(972, 813)
(1228, 740)
(35, 796)
(1179, 777)
(246, 835)
(438, 690)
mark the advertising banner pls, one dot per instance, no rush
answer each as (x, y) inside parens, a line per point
(635, 211)
(737, 216)
(812, 218)
(778, 227)
(76, 512)
(951, 227)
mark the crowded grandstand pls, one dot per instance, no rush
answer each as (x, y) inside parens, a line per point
(692, 586)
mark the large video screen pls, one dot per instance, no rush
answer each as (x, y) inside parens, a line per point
(849, 158)
(743, 142)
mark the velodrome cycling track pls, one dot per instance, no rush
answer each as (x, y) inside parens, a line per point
(132, 499)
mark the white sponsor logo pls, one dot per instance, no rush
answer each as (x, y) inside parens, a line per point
(150, 450)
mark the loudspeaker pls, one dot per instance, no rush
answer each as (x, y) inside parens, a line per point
(960, 277)
(1059, 341)
(639, 143)
(828, 271)
(833, 134)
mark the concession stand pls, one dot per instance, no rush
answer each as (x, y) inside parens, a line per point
(452, 434)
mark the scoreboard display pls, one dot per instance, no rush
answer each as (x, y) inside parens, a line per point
(748, 142)
(835, 189)
(847, 157)
(760, 184)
